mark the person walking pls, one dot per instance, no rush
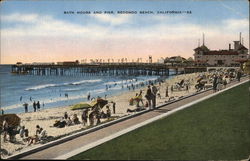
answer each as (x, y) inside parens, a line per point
(154, 93)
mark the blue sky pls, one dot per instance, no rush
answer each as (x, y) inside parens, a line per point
(38, 28)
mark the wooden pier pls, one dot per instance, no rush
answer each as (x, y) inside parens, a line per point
(103, 69)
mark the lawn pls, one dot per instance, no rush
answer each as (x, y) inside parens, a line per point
(215, 129)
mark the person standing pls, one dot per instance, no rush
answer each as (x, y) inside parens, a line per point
(172, 88)
(26, 107)
(108, 112)
(114, 107)
(88, 96)
(215, 83)
(66, 116)
(38, 105)
(154, 92)
(85, 117)
(238, 75)
(34, 106)
(149, 97)
(5, 129)
(166, 95)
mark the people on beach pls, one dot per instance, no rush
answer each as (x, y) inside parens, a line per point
(215, 83)
(21, 98)
(238, 75)
(114, 106)
(166, 93)
(69, 121)
(98, 118)
(2, 112)
(23, 132)
(108, 111)
(25, 107)
(65, 115)
(85, 117)
(172, 88)
(154, 93)
(40, 134)
(34, 106)
(91, 118)
(149, 96)
(38, 105)
(88, 97)
(75, 119)
(5, 129)
(60, 123)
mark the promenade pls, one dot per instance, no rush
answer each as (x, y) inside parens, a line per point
(87, 141)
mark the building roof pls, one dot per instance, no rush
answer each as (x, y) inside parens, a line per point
(221, 52)
(242, 47)
(203, 48)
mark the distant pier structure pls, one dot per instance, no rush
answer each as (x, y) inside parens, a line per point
(102, 69)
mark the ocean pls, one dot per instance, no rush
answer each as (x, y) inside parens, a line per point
(15, 90)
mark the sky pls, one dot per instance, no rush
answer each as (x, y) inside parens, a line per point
(48, 31)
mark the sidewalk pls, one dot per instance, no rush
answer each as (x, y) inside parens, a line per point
(60, 151)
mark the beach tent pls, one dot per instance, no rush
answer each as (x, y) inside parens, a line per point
(99, 102)
(12, 120)
(80, 106)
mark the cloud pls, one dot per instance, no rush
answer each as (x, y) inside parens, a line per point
(236, 24)
(112, 19)
(26, 18)
(47, 26)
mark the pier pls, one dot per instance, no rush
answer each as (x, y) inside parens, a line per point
(102, 69)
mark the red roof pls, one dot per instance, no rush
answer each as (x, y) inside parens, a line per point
(221, 52)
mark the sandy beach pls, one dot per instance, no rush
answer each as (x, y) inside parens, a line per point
(47, 117)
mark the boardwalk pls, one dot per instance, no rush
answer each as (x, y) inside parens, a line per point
(66, 147)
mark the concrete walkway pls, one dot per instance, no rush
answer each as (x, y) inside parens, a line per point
(60, 151)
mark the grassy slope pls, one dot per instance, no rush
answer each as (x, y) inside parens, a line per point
(218, 128)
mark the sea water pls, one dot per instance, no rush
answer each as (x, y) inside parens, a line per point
(50, 90)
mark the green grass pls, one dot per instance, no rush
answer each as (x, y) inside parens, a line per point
(215, 129)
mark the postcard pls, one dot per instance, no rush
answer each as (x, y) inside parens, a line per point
(125, 79)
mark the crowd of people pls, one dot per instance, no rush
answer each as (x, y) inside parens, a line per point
(11, 132)
(36, 106)
(217, 80)
(90, 116)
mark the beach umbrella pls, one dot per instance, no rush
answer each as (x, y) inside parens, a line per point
(80, 106)
(12, 120)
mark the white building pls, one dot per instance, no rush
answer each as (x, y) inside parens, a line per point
(230, 57)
